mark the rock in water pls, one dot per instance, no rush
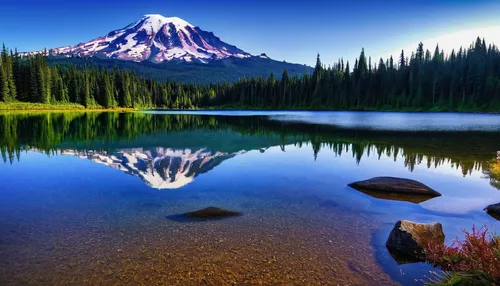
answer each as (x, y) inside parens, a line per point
(493, 210)
(411, 238)
(395, 185)
(204, 214)
(211, 212)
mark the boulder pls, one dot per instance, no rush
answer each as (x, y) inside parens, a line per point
(410, 238)
(393, 185)
(493, 210)
(204, 214)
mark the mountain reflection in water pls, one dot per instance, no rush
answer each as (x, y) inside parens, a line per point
(161, 168)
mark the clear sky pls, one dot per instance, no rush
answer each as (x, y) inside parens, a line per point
(285, 30)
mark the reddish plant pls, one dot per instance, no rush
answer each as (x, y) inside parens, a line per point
(478, 254)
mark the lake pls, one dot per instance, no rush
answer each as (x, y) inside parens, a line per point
(87, 198)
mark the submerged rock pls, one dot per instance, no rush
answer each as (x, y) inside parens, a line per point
(410, 238)
(393, 196)
(205, 214)
(493, 210)
(393, 185)
(211, 212)
(402, 259)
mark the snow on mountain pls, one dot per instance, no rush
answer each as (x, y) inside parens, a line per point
(161, 168)
(157, 39)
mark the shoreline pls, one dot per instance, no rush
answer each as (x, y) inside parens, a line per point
(328, 110)
(28, 106)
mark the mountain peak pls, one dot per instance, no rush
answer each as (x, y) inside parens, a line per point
(160, 20)
(157, 39)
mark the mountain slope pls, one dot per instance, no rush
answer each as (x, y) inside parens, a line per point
(228, 69)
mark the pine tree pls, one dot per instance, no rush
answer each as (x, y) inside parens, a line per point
(8, 85)
(4, 85)
(284, 87)
(419, 56)
(402, 60)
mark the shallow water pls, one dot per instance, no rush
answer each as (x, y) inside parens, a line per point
(86, 196)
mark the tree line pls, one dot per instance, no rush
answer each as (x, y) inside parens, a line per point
(467, 79)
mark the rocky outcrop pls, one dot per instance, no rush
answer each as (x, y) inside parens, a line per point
(493, 210)
(410, 238)
(396, 186)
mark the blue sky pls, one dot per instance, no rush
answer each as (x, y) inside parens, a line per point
(286, 30)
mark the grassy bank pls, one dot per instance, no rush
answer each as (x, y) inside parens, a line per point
(30, 106)
(470, 261)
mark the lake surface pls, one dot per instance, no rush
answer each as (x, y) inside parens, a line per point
(86, 197)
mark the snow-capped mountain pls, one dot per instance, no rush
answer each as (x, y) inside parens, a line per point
(160, 168)
(157, 39)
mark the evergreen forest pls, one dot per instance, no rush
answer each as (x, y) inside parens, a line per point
(464, 80)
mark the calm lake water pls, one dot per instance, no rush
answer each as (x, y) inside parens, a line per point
(86, 197)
